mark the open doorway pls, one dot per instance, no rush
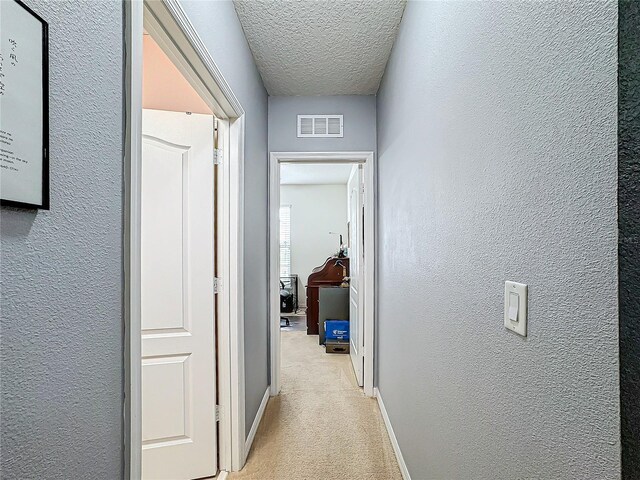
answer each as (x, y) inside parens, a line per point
(321, 238)
(184, 347)
(178, 302)
(322, 260)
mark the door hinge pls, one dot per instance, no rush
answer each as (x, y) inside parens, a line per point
(362, 188)
(217, 285)
(218, 154)
(217, 413)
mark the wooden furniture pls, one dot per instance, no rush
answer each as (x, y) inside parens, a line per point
(331, 273)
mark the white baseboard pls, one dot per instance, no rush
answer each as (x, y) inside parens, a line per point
(256, 424)
(392, 436)
(222, 475)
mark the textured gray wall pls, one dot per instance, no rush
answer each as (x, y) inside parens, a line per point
(629, 235)
(359, 123)
(497, 160)
(218, 26)
(61, 347)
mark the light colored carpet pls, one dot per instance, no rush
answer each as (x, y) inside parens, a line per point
(321, 426)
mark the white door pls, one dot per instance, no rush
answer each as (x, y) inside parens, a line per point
(356, 263)
(178, 349)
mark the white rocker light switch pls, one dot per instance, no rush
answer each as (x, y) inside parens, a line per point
(515, 307)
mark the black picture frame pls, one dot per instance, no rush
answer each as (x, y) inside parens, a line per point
(45, 204)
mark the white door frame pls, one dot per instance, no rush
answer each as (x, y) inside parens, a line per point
(168, 24)
(368, 160)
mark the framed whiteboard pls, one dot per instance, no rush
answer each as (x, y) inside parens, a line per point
(24, 107)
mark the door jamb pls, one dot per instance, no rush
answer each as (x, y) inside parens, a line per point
(171, 28)
(368, 160)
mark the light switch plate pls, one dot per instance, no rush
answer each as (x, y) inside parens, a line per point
(515, 305)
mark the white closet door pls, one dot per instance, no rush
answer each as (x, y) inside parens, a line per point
(178, 344)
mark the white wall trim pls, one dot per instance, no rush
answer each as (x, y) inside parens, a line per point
(167, 22)
(274, 275)
(235, 294)
(256, 423)
(368, 159)
(132, 241)
(392, 437)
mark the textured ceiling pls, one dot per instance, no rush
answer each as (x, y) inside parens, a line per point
(320, 47)
(314, 174)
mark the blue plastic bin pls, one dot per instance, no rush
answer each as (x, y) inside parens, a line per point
(336, 329)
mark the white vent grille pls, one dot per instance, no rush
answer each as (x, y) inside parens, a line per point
(320, 126)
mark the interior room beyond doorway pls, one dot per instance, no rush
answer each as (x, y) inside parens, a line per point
(321, 244)
(348, 271)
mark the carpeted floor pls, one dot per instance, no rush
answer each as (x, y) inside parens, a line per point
(321, 426)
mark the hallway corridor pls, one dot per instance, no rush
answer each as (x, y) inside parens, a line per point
(321, 425)
(182, 181)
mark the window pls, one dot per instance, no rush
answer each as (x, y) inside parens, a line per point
(285, 240)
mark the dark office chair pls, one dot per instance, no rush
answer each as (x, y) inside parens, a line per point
(286, 303)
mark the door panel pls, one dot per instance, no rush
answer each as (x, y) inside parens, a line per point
(167, 407)
(355, 267)
(178, 353)
(164, 217)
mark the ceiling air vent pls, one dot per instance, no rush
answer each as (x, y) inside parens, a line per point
(319, 126)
